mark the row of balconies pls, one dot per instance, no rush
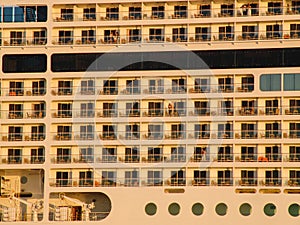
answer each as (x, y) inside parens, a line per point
(131, 90)
(166, 135)
(155, 158)
(192, 181)
(155, 135)
(175, 158)
(23, 114)
(23, 136)
(161, 112)
(148, 90)
(22, 159)
(185, 37)
(174, 37)
(183, 11)
(23, 41)
(152, 112)
(23, 91)
(204, 11)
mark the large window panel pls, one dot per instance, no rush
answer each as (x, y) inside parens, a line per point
(42, 14)
(213, 59)
(19, 14)
(291, 82)
(8, 14)
(270, 82)
(24, 63)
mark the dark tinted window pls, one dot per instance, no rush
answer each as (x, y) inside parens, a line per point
(217, 59)
(259, 58)
(291, 57)
(42, 13)
(24, 63)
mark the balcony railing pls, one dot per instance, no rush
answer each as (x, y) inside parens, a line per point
(24, 41)
(151, 90)
(240, 10)
(254, 182)
(23, 114)
(23, 136)
(145, 157)
(93, 216)
(24, 91)
(187, 37)
(162, 111)
(160, 135)
(22, 159)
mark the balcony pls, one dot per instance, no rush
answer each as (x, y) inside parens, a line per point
(152, 158)
(248, 181)
(108, 136)
(63, 136)
(187, 37)
(175, 135)
(22, 159)
(294, 182)
(293, 157)
(159, 181)
(107, 158)
(205, 134)
(156, 112)
(228, 181)
(175, 182)
(24, 41)
(247, 111)
(130, 158)
(63, 114)
(247, 158)
(24, 91)
(272, 134)
(129, 112)
(24, 136)
(204, 157)
(273, 182)
(62, 91)
(109, 113)
(24, 114)
(224, 158)
(270, 158)
(159, 135)
(197, 181)
(241, 9)
(129, 135)
(61, 159)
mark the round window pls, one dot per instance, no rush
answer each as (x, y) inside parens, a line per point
(245, 209)
(23, 180)
(270, 209)
(197, 209)
(221, 209)
(294, 210)
(151, 209)
(174, 209)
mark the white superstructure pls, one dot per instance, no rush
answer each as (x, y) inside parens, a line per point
(152, 112)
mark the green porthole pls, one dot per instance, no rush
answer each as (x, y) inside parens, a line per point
(174, 209)
(221, 209)
(197, 209)
(150, 209)
(294, 210)
(24, 180)
(270, 209)
(245, 209)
